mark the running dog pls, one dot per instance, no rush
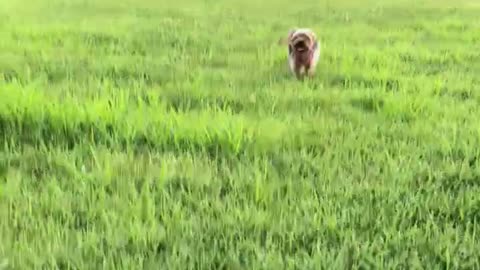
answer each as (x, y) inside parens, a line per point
(303, 52)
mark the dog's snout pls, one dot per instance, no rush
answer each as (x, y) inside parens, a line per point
(301, 45)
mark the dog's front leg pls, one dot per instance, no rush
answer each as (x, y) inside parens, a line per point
(299, 74)
(311, 72)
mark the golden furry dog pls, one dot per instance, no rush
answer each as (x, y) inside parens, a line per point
(303, 51)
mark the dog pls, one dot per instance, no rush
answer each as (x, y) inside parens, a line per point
(303, 51)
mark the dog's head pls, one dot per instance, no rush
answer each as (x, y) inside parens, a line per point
(301, 40)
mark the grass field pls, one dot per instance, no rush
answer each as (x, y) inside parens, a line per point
(138, 134)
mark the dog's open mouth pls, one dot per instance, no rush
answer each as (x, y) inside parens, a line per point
(301, 46)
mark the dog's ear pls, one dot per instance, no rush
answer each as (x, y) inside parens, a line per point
(291, 32)
(313, 36)
(286, 40)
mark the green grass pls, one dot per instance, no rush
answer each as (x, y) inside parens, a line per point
(136, 134)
